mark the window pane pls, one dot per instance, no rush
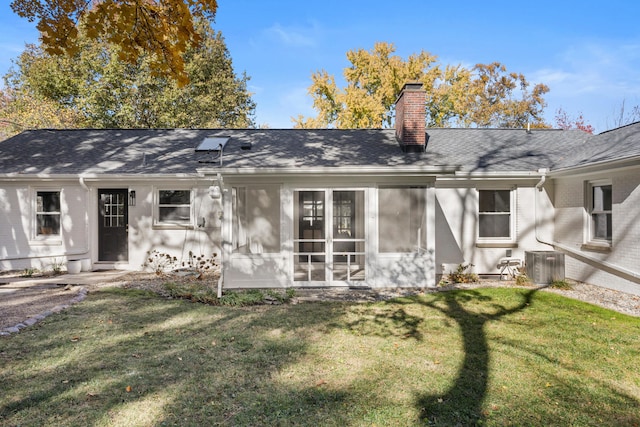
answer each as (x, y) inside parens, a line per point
(602, 198)
(602, 226)
(495, 200)
(48, 224)
(175, 197)
(174, 213)
(48, 201)
(496, 225)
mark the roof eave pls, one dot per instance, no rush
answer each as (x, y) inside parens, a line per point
(618, 164)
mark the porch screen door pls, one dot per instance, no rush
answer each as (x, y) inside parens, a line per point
(329, 239)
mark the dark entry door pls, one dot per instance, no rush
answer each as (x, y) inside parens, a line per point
(113, 225)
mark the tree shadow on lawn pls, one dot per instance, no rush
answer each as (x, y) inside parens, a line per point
(462, 403)
(146, 361)
(188, 363)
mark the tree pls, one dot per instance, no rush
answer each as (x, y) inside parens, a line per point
(484, 96)
(100, 91)
(565, 122)
(21, 110)
(164, 28)
(625, 116)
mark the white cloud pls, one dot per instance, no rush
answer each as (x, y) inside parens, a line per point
(295, 36)
(279, 104)
(594, 78)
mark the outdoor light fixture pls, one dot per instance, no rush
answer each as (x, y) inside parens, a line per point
(132, 197)
(215, 191)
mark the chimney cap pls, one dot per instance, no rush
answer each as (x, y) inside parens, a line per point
(412, 86)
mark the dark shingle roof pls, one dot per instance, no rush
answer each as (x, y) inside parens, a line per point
(172, 151)
(616, 144)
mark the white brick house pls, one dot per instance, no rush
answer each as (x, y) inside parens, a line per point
(295, 208)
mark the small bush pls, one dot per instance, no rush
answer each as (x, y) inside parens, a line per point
(29, 272)
(199, 292)
(159, 262)
(56, 266)
(462, 275)
(200, 263)
(561, 284)
(522, 279)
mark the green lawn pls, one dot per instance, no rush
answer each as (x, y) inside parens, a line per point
(489, 357)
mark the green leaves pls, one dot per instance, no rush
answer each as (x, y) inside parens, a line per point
(483, 96)
(95, 88)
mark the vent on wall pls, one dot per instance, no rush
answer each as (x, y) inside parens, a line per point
(544, 267)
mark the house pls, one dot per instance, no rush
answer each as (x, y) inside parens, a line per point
(326, 207)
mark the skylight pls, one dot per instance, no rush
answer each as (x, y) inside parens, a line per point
(213, 143)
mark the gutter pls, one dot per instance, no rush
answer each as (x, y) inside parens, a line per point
(335, 171)
(624, 163)
(606, 266)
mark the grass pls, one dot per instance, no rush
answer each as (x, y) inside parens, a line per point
(475, 357)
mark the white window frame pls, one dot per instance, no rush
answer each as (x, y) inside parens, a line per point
(158, 223)
(510, 240)
(56, 237)
(590, 238)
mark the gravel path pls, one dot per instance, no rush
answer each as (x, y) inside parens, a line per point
(24, 305)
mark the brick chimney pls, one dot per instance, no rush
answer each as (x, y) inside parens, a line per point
(410, 118)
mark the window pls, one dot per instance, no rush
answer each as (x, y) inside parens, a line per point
(401, 219)
(47, 213)
(256, 219)
(174, 207)
(600, 211)
(494, 214)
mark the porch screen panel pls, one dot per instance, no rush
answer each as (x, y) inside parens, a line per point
(256, 219)
(401, 219)
(309, 236)
(348, 235)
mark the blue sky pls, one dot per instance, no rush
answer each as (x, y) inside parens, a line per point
(587, 52)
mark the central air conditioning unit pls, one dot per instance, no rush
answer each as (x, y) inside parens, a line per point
(544, 267)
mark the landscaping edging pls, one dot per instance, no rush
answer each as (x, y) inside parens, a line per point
(82, 294)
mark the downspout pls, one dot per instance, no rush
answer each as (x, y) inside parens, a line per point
(602, 265)
(223, 228)
(543, 179)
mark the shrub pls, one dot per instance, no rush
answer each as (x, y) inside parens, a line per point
(199, 292)
(159, 262)
(200, 263)
(56, 266)
(522, 279)
(462, 275)
(29, 272)
(561, 284)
